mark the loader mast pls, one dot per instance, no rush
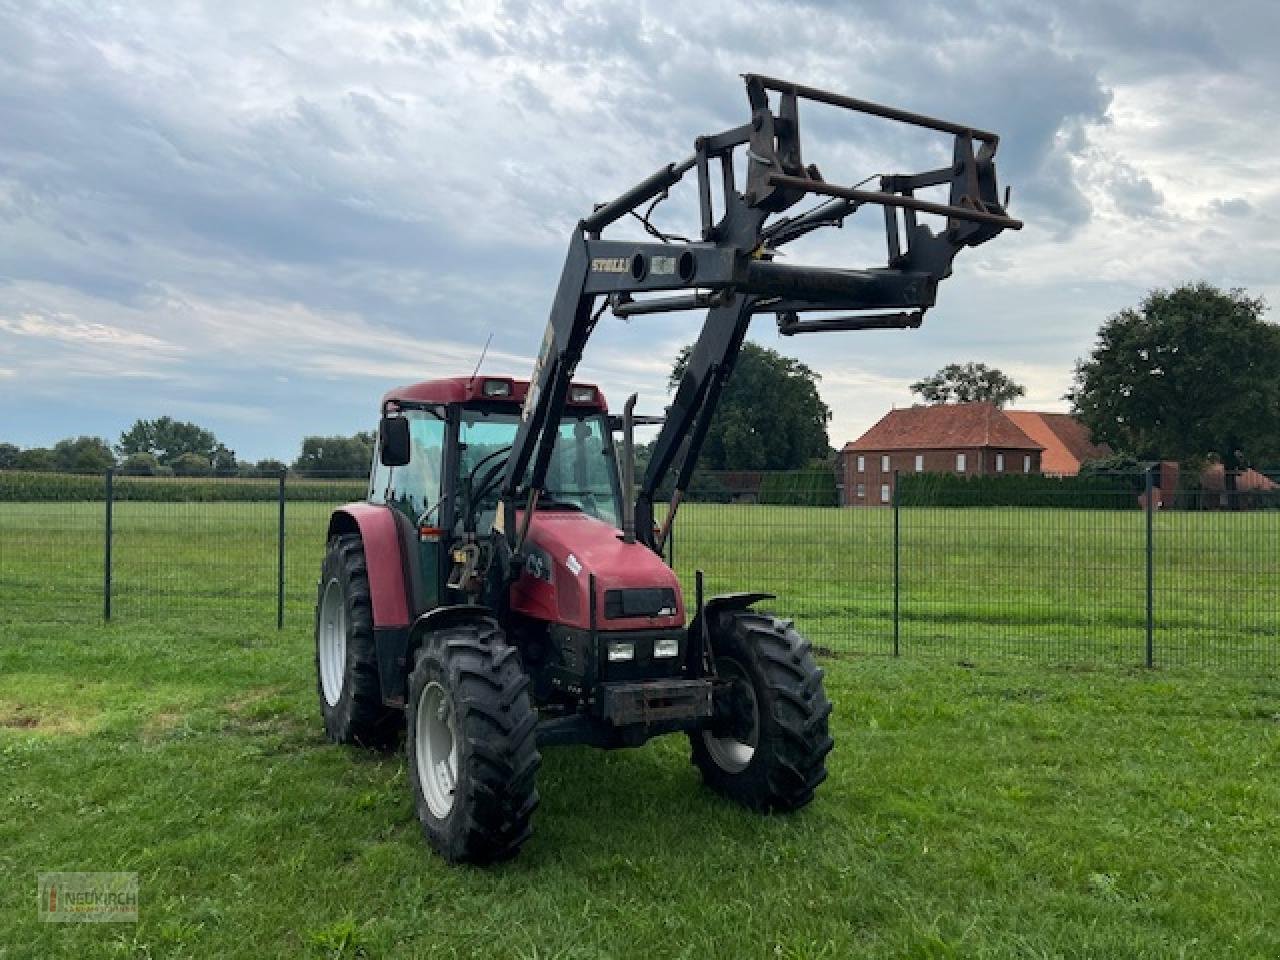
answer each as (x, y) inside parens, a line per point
(732, 273)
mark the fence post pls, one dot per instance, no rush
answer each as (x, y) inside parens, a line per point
(897, 566)
(109, 485)
(280, 555)
(1151, 574)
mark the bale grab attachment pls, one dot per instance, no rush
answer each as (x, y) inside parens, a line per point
(733, 273)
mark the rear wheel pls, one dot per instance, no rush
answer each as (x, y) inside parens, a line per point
(767, 743)
(346, 662)
(473, 758)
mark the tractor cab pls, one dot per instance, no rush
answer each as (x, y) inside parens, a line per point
(442, 451)
(586, 604)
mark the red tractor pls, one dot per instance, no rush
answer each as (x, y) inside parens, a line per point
(503, 586)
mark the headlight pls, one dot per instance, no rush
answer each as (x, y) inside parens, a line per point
(582, 394)
(620, 650)
(666, 647)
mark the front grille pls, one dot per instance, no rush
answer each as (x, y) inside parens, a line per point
(639, 602)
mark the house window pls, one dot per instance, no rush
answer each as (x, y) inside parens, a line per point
(999, 463)
(884, 464)
(959, 463)
(862, 463)
(862, 491)
(919, 463)
(884, 493)
(1026, 463)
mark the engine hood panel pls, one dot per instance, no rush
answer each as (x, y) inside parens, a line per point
(566, 549)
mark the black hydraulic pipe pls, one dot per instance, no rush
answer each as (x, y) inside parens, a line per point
(646, 189)
(789, 323)
(831, 212)
(894, 200)
(629, 470)
(875, 109)
(692, 301)
(837, 289)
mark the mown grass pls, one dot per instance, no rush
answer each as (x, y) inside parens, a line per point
(998, 810)
(988, 806)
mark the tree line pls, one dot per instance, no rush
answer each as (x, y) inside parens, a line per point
(1191, 374)
(166, 447)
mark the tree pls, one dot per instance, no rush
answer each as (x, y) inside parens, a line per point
(273, 468)
(969, 383)
(770, 416)
(83, 455)
(9, 454)
(140, 465)
(223, 461)
(1193, 372)
(37, 458)
(168, 439)
(336, 456)
(191, 465)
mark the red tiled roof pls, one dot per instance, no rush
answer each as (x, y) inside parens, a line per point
(1067, 442)
(944, 426)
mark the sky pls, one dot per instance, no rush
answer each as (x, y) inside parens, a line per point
(261, 216)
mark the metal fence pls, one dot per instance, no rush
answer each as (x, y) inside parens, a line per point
(1118, 577)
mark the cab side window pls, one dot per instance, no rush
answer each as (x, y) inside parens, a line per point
(416, 487)
(379, 476)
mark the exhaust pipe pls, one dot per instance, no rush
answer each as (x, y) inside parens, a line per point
(629, 471)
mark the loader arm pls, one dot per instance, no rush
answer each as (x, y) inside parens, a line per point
(732, 274)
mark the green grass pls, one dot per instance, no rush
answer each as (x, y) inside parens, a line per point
(1000, 808)
(994, 811)
(1054, 584)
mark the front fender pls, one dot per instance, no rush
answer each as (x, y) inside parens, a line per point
(724, 602)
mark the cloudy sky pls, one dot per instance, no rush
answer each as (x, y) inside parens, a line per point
(258, 216)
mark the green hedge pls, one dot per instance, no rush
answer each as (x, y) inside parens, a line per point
(16, 486)
(1105, 491)
(810, 487)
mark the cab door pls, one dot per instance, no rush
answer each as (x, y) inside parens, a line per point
(416, 491)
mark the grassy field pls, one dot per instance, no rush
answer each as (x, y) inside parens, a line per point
(984, 806)
(1053, 584)
(996, 810)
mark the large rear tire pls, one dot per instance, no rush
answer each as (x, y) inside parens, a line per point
(346, 661)
(473, 756)
(767, 744)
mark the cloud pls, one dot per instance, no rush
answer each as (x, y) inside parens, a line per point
(61, 326)
(267, 213)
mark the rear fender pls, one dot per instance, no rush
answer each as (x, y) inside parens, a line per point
(376, 525)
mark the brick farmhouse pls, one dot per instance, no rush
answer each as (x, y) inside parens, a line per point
(962, 438)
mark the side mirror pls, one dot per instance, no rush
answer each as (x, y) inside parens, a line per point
(393, 441)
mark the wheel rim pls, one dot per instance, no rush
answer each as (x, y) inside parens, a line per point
(332, 642)
(436, 749)
(733, 751)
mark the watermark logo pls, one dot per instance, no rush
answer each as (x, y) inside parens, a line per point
(88, 897)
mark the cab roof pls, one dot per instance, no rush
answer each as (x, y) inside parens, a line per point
(493, 389)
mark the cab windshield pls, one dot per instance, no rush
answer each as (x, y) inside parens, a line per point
(581, 473)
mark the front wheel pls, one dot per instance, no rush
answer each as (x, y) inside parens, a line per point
(473, 759)
(767, 743)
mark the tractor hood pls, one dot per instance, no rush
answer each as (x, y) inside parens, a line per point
(635, 589)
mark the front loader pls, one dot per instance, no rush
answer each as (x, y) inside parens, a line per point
(502, 587)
